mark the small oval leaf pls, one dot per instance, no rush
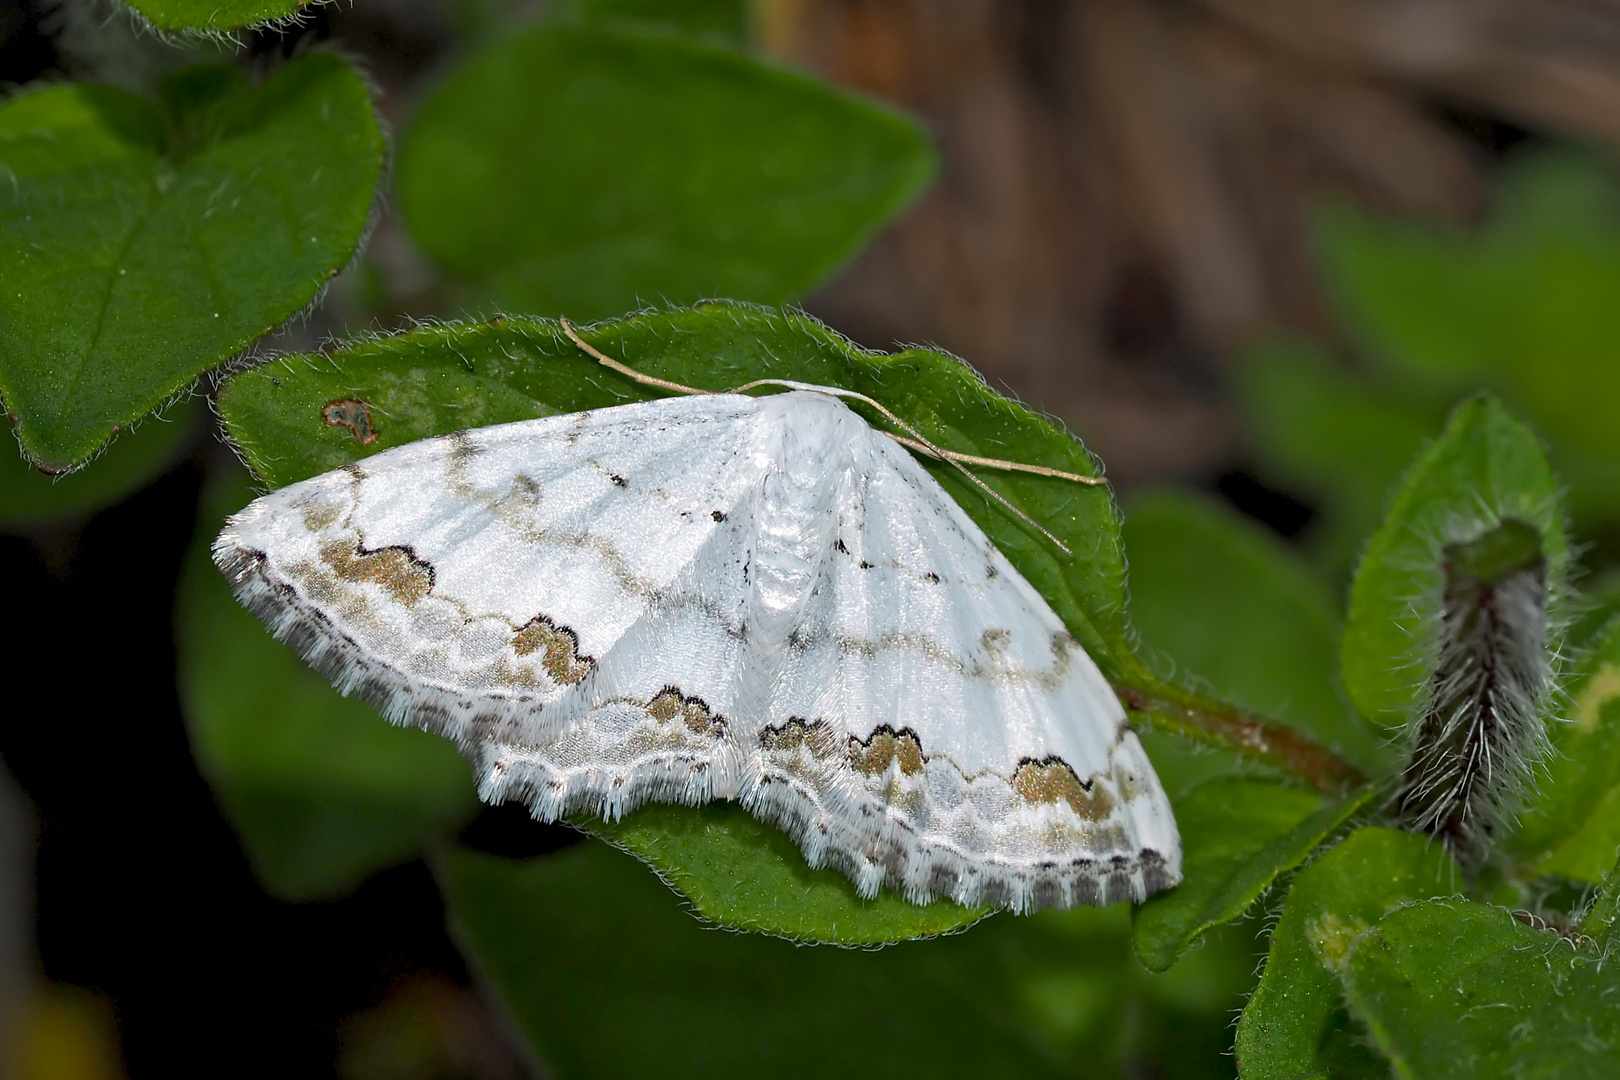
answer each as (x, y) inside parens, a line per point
(180, 16)
(1485, 468)
(1294, 1024)
(585, 170)
(142, 243)
(713, 855)
(1453, 989)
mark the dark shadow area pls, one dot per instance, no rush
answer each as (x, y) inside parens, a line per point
(1285, 515)
(143, 891)
(26, 52)
(508, 830)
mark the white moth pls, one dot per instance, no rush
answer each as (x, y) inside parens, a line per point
(722, 597)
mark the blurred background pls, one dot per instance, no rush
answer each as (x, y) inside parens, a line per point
(1249, 249)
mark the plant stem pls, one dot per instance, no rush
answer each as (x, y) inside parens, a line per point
(1184, 713)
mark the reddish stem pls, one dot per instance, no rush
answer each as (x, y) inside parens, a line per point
(1232, 728)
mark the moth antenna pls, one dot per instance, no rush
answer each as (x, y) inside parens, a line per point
(625, 369)
(917, 441)
(957, 460)
(996, 463)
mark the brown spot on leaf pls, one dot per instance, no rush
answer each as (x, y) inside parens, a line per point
(562, 660)
(885, 746)
(353, 414)
(1053, 781)
(670, 705)
(397, 569)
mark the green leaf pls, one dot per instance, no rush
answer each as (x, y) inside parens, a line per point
(1532, 286)
(144, 242)
(179, 16)
(1602, 922)
(30, 498)
(1237, 837)
(1334, 437)
(447, 378)
(560, 936)
(1294, 1024)
(607, 977)
(1215, 596)
(1524, 304)
(1570, 824)
(1599, 603)
(321, 790)
(586, 170)
(1453, 989)
(716, 856)
(1486, 467)
(1404, 289)
(724, 21)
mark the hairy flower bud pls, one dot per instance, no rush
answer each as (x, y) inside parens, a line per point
(1480, 732)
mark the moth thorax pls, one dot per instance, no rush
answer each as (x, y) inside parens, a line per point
(1479, 732)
